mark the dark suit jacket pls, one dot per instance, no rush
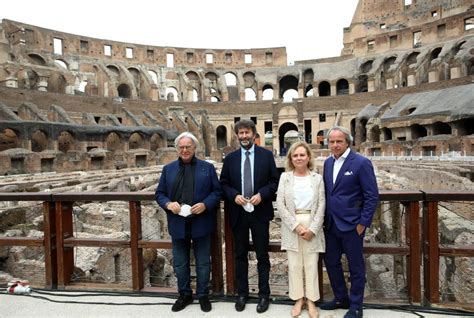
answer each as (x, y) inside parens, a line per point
(206, 190)
(265, 178)
(354, 196)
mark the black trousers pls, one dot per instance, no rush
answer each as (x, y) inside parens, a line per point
(260, 238)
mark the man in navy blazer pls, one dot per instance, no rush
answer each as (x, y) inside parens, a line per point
(351, 201)
(189, 192)
(250, 212)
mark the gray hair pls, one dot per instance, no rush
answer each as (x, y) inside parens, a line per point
(186, 134)
(345, 131)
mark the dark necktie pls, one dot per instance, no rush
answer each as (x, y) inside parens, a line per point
(248, 191)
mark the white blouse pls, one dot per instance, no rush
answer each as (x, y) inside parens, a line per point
(303, 192)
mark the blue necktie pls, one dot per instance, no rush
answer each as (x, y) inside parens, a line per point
(248, 191)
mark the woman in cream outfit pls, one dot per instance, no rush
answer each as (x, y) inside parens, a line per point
(301, 203)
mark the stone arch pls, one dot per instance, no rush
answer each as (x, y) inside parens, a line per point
(195, 86)
(288, 82)
(320, 137)
(412, 57)
(66, 141)
(435, 53)
(285, 128)
(9, 139)
(114, 70)
(267, 92)
(39, 141)
(466, 126)
(221, 135)
(154, 76)
(388, 62)
(62, 64)
(366, 66)
(231, 84)
(171, 94)
(249, 80)
(417, 131)
(342, 87)
(324, 88)
(457, 47)
(309, 91)
(135, 75)
(156, 142)
(37, 59)
(135, 141)
(440, 128)
(308, 78)
(362, 129)
(250, 94)
(114, 142)
(124, 91)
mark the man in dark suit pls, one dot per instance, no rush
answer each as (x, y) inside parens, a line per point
(189, 192)
(351, 201)
(249, 180)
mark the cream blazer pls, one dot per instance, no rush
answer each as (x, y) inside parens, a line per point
(286, 210)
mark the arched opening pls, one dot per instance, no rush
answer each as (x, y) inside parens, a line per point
(39, 141)
(231, 83)
(36, 59)
(466, 126)
(366, 66)
(388, 63)
(289, 95)
(458, 47)
(124, 91)
(135, 141)
(61, 64)
(249, 79)
(411, 59)
(320, 137)
(417, 131)
(154, 76)
(66, 142)
(309, 91)
(195, 95)
(171, 94)
(324, 89)
(9, 139)
(387, 133)
(285, 142)
(353, 130)
(342, 87)
(288, 82)
(470, 67)
(267, 92)
(114, 142)
(435, 53)
(221, 135)
(114, 70)
(156, 142)
(250, 94)
(362, 130)
(440, 128)
(136, 75)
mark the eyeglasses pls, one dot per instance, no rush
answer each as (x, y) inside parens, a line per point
(181, 148)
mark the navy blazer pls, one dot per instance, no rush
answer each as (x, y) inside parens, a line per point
(265, 181)
(206, 190)
(353, 198)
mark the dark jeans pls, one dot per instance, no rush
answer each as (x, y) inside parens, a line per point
(181, 264)
(260, 238)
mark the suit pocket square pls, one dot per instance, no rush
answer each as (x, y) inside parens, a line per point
(348, 173)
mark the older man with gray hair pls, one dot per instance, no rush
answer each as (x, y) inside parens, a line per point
(189, 192)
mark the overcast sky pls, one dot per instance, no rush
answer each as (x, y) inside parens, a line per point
(308, 29)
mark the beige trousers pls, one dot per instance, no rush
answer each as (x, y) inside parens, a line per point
(303, 267)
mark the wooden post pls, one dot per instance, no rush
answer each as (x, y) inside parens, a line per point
(229, 253)
(65, 255)
(135, 251)
(216, 256)
(50, 251)
(430, 251)
(414, 257)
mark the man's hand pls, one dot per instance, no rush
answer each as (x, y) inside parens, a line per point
(360, 229)
(240, 200)
(256, 199)
(198, 208)
(174, 207)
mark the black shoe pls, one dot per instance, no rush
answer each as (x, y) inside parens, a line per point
(263, 304)
(354, 313)
(240, 303)
(205, 304)
(182, 302)
(334, 304)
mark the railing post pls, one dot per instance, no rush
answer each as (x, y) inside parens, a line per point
(430, 251)
(136, 253)
(216, 255)
(50, 250)
(229, 253)
(414, 257)
(65, 255)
